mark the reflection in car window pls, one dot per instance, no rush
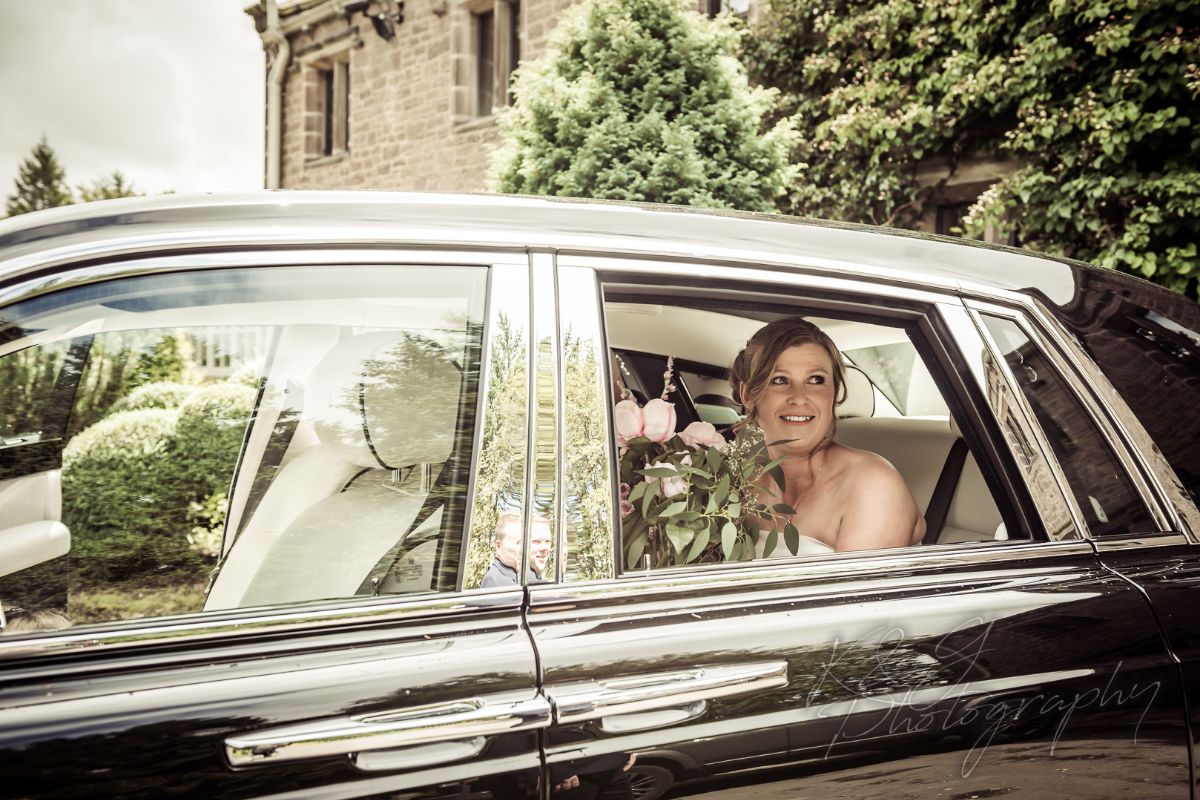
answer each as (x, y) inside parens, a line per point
(241, 438)
(1101, 488)
(1152, 357)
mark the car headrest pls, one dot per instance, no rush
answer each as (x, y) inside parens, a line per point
(860, 395)
(385, 400)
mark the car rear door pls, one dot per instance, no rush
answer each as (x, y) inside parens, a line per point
(980, 668)
(340, 647)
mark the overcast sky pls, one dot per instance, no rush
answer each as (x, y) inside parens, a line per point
(169, 92)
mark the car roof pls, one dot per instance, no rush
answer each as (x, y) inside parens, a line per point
(34, 242)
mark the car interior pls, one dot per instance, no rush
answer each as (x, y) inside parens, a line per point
(892, 407)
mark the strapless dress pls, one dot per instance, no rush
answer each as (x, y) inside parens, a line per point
(808, 547)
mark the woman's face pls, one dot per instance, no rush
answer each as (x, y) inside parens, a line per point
(798, 403)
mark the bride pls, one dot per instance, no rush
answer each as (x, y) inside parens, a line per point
(790, 377)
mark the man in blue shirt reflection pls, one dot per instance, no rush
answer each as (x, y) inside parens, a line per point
(503, 571)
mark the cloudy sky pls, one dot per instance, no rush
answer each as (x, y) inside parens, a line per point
(169, 92)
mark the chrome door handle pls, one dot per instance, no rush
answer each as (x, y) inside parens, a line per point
(577, 702)
(470, 719)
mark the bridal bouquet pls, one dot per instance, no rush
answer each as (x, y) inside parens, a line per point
(691, 496)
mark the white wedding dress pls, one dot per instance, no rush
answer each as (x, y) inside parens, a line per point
(808, 547)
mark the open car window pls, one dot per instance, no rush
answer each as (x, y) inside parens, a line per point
(697, 509)
(232, 438)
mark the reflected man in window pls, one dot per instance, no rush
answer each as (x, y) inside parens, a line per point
(503, 571)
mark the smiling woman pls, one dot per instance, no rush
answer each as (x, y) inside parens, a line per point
(790, 377)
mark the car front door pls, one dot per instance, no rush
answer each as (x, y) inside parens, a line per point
(277, 526)
(977, 668)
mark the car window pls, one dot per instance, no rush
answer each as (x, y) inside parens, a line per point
(691, 468)
(1103, 492)
(237, 438)
(1148, 345)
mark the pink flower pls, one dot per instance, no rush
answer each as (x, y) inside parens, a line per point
(702, 434)
(625, 490)
(626, 508)
(669, 487)
(629, 422)
(658, 420)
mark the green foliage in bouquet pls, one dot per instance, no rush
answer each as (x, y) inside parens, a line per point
(693, 497)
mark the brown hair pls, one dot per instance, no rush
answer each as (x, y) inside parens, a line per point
(753, 366)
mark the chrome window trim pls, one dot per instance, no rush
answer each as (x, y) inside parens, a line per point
(234, 626)
(1132, 466)
(120, 266)
(515, 306)
(578, 276)
(543, 466)
(971, 335)
(826, 568)
(807, 274)
(1119, 544)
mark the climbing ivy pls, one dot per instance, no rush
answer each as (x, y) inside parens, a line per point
(1093, 103)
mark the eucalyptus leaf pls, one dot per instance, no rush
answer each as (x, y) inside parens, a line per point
(772, 541)
(791, 538)
(728, 539)
(700, 542)
(680, 537)
(634, 550)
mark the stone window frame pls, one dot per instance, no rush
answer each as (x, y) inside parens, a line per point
(326, 77)
(508, 34)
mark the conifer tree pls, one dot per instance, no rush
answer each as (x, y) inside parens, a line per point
(642, 100)
(40, 183)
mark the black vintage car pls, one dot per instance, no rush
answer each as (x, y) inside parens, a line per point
(256, 452)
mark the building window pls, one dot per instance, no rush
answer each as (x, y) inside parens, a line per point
(950, 218)
(488, 47)
(327, 117)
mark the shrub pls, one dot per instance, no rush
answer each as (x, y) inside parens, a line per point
(642, 100)
(164, 394)
(117, 504)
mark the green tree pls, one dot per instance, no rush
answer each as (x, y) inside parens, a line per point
(1094, 101)
(41, 183)
(107, 187)
(642, 100)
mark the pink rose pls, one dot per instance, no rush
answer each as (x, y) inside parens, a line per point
(658, 420)
(626, 508)
(702, 434)
(669, 487)
(625, 490)
(629, 422)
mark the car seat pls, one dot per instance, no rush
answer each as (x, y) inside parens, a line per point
(383, 407)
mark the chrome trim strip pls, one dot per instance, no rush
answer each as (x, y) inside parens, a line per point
(405, 727)
(585, 361)
(201, 627)
(808, 274)
(121, 266)
(1142, 542)
(1029, 425)
(756, 575)
(542, 481)
(501, 440)
(579, 702)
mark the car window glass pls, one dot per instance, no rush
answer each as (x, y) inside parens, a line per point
(1102, 490)
(1152, 358)
(690, 471)
(238, 438)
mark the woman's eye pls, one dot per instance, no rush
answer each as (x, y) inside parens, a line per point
(817, 379)
(779, 380)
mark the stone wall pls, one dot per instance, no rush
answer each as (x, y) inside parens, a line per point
(403, 130)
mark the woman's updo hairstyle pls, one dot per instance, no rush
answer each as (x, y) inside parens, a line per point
(753, 366)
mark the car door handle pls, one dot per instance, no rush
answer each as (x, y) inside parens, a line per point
(578, 702)
(464, 720)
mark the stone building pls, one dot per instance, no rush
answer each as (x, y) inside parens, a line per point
(401, 94)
